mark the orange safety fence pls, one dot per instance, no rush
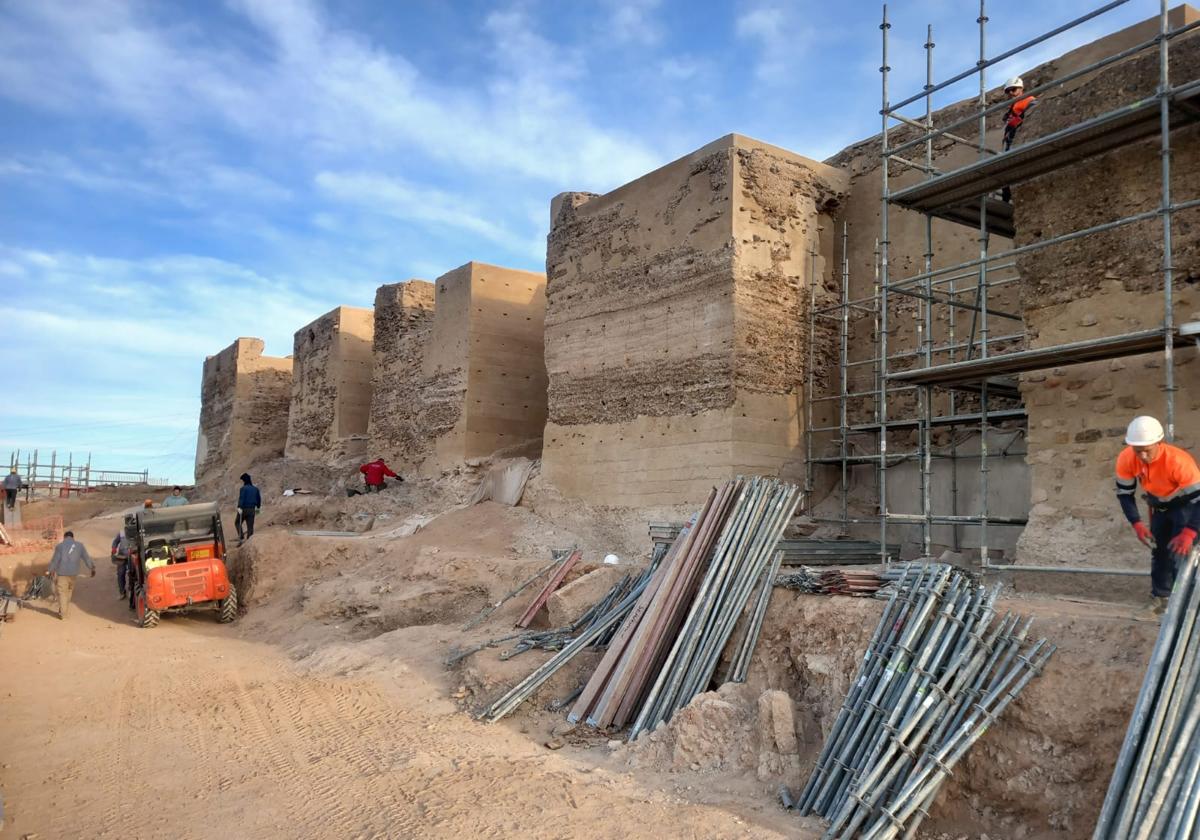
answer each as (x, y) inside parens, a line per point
(32, 535)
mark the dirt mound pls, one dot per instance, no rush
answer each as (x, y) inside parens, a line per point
(734, 728)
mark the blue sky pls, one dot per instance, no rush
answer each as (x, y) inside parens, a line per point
(174, 175)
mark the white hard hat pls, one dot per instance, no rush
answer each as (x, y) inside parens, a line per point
(1015, 81)
(1144, 431)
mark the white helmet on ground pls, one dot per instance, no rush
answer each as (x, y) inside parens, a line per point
(1015, 82)
(1144, 431)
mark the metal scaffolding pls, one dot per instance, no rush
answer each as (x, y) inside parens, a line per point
(956, 384)
(61, 477)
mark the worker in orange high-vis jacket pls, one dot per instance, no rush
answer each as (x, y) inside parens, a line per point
(1018, 109)
(1014, 117)
(1170, 480)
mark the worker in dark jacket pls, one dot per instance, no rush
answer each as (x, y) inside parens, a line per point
(374, 473)
(12, 484)
(64, 568)
(249, 503)
(120, 558)
(1171, 481)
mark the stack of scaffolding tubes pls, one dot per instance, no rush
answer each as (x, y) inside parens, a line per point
(673, 625)
(599, 627)
(669, 648)
(1155, 787)
(938, 671)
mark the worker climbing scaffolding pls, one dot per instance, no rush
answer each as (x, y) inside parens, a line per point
(1015, 116)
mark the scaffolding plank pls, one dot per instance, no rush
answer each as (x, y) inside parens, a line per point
(999, 216)
(1046, 154)
(1023, 361)
(945, 420)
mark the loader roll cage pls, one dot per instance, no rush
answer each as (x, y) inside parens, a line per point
(177, 525)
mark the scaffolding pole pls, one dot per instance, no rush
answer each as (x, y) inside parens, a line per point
(844, 383)
(885, 204)
(980, 350)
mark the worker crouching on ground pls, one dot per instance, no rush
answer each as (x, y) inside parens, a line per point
(374, 473)
(64, 568)
(1171, 481)
(249, 504)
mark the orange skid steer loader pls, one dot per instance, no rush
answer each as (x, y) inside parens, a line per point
(177, 562)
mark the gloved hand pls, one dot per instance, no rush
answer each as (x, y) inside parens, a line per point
(1143, 533)
(1182, 542)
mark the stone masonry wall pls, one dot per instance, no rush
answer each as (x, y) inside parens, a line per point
(403, 319)
(483, 380)
(331, 387)
(1103, 285)
(673, 320)
(244, 401)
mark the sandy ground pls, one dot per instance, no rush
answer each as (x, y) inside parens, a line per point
(194, 730)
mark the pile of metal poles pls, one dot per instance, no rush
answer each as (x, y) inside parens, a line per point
(560, 637)
(1155, 787)
(595, 628)
(669, 648)
(832, 582)
(938, 671)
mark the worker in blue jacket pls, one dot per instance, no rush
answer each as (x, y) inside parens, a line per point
(249, 503)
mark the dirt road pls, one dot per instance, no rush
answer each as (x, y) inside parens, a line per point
(192, 731)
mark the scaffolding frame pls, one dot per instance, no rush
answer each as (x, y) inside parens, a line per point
(965, 195)
(68, 476)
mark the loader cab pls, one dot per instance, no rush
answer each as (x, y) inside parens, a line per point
(178, 555)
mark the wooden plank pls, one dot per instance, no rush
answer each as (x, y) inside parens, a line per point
(551, 585)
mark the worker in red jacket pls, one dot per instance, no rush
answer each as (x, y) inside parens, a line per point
(1170, 480)
(374, 472)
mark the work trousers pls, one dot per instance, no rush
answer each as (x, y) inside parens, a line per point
(10, 497)
(245, 523)
(375, 488)
(1164, 526)
(122, 572)
(64, 586)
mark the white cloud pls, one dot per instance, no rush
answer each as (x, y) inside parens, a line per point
(431, 207)
(187, 306)
(331, 90)
(680, 68)
(781, 36)
(632, 22)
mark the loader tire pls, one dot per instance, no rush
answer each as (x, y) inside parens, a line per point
(146, 617)
(229, 606)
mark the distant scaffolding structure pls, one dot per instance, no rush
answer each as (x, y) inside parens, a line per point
(62, 477)
(963, 383)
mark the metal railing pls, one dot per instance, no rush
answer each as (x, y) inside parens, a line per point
(67, 476)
